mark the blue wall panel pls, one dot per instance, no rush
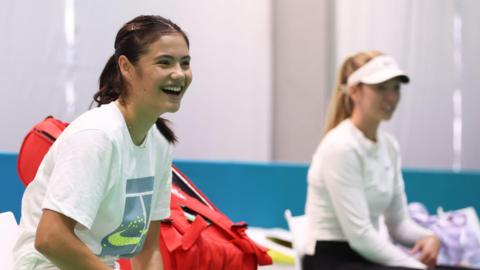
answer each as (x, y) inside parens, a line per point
(11, 189)
(258, 193)
(251, 192)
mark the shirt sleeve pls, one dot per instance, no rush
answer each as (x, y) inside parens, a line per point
(79, 179)
(400, 226)
(344, 182)
(162, 204)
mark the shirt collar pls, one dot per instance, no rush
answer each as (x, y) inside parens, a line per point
(370, 147)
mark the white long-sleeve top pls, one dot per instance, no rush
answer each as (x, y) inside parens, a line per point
(352, 181)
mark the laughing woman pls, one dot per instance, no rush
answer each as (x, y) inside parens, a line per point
(355, 177)
(104, 185)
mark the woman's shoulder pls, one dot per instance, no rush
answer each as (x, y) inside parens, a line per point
(390, 141)
(337, 150)
(103, 119)
(160, 142)
(96, 126)
(341, 138)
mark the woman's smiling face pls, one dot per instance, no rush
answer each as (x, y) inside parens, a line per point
(161, 75)
(379, 101)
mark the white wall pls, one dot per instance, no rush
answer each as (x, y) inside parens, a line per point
(31, 67)
(263, 71)
(302, 81)
(225, 115)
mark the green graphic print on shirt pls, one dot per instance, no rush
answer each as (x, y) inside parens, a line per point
(127, 240)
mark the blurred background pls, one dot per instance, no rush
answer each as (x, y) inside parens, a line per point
(263, 71)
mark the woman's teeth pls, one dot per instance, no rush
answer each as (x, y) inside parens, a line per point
(172, 90)
(387, 108)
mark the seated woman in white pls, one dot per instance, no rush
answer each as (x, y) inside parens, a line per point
(355, 177)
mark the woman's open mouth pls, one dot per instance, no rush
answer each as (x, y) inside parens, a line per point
(172, 90)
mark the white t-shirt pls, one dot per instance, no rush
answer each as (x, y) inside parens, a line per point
(96, 175)
(352, 181)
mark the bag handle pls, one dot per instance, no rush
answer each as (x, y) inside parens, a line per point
(174, 240)
(235, 230)
(50, 128)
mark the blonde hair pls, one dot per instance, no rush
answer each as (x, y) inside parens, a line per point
(341, 105)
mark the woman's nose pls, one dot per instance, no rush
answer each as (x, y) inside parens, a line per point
(177, 73)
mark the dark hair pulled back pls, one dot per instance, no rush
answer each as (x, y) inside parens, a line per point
(132, 41)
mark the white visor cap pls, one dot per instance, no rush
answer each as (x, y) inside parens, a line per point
(380, 69)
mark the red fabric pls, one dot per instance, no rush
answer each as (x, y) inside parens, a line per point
(236, 231)
(36, 145)
(125, 264)
(197, 245)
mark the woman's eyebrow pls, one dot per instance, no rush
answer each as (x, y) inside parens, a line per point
(170, 57)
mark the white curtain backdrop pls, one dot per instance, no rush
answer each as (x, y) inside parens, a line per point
(50, 63)
(436, 41)
(53, 52)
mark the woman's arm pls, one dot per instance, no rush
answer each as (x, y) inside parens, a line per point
(401, 227)
(56, 240)
(150, 257)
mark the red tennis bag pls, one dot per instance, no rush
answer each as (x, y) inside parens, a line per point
(196, 236)
(35, 145)
(199, 236)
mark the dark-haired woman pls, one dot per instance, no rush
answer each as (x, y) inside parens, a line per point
(104, 185)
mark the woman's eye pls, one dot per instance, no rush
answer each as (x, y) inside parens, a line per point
(163, 63)
(186, 63)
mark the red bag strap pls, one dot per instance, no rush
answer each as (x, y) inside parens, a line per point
(191, 236)
(235, 230)
(214, 216)
(188, 236)
(50, 127)
(189, 183)
(35, 145)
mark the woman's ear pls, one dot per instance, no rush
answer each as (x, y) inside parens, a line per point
(125, 66)
(354, 92)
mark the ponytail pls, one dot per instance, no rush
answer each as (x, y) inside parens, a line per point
(341, 104)
(340, 108)
(110, 83)
(162, 126)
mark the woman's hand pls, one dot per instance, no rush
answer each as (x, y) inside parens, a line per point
(428, 247)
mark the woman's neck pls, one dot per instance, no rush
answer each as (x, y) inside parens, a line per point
(138, 122)
(367, 126)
